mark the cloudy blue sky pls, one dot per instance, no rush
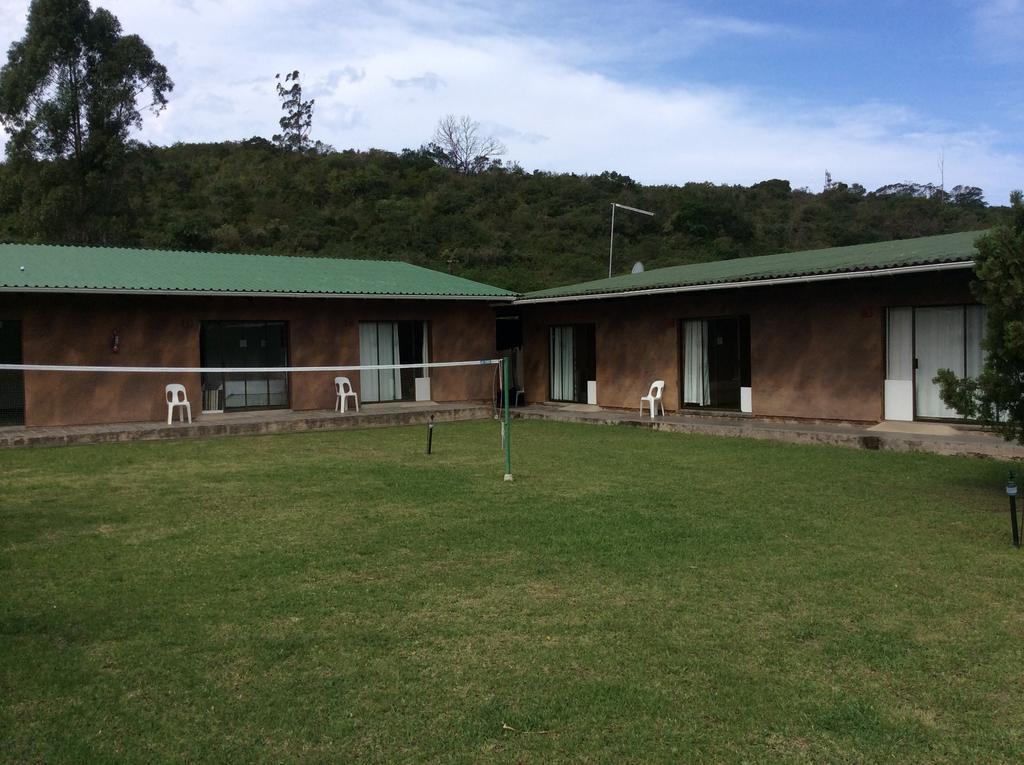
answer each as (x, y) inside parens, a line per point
(876, 91)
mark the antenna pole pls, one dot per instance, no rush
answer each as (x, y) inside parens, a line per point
(611, 243)
(611, 239)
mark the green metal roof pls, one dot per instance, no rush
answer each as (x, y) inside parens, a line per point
(928, 250)
(113, 269)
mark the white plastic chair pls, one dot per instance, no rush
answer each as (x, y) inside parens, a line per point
(343, 390)
(653, 398)
(176, 397)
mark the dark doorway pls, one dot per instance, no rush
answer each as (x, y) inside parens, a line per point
(413, 348)
(716, 361)
(508, 333)
(244, 344)
(572, 362)
(12, 384)
(724, 360)
(508, 340)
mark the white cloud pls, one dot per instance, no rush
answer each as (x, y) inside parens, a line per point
(427, 81)
(336, 77)
(536, 92)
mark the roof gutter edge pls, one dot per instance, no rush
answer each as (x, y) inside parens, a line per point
(240, 293)
(753, 283)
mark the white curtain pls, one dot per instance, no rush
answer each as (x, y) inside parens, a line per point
(939, 340)
(563, 364)
(569, 363)
(369, 390)
(378, 344)
(696, 374)
(426, 352)
(899, 344)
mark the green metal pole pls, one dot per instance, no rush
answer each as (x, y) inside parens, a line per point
(505, 364)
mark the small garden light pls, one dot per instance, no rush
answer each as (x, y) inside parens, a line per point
(1011, 492)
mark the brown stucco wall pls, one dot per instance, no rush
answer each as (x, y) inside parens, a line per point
(164, 331)
(817, 349)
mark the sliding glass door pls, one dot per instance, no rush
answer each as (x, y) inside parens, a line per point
(918, 343)
(939, 339)
(716, 361)
(392, 342)
(572, 361)
(244, 344)
(12, 384)
(945, 337)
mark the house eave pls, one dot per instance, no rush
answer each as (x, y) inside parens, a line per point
(241, 293)
(900, 270)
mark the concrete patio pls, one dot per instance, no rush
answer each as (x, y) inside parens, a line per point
(936, 438)
(247, 424)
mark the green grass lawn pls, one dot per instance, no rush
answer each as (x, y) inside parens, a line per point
(632, 597)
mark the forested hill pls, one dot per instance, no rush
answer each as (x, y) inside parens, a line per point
(507, 227)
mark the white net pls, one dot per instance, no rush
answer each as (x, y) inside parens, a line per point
(73, 393)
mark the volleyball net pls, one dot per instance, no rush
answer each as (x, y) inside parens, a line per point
(123, 393)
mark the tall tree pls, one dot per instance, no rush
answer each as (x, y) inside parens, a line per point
(968, 196)
(459, 143)
(71, 91)
(996, 396)
(72, 85)
(298, 118)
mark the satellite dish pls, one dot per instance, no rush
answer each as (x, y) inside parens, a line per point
(638, 268)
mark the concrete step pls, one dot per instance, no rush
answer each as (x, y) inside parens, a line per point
(245, 424)
(949, 441)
